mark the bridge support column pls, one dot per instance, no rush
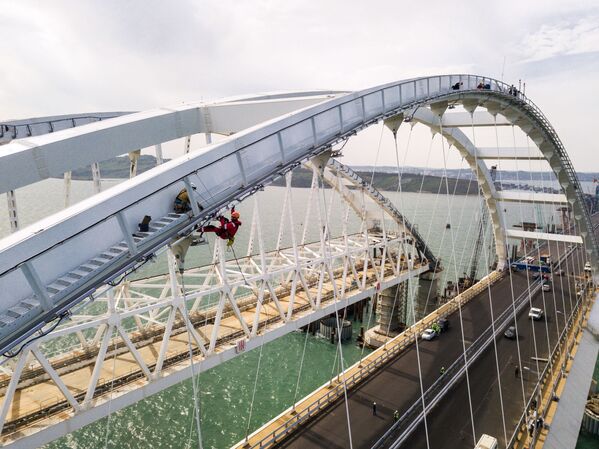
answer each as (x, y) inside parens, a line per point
(391, 311)
(427, 295)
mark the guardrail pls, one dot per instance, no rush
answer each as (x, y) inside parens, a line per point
(301, 413)
(579, 312)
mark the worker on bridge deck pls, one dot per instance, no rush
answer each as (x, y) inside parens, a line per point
(227, 229)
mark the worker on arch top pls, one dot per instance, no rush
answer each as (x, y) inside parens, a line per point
(227, 229)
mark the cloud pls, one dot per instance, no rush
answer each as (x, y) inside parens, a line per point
(64, 56)
(562, 39)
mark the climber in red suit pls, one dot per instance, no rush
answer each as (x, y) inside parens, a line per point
(227, 229)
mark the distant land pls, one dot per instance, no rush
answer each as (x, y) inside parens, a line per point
(385, 177)
(506, 175)
(115, 168)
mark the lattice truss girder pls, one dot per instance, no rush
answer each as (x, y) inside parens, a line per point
(140, 331)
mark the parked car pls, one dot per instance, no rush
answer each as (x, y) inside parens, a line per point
(587, 266)
(429, 334)
(535, 313)
(510, 333)
(546, 287)
(559, 272)
(443, 324)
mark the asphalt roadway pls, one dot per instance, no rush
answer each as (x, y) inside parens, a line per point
(397, 386)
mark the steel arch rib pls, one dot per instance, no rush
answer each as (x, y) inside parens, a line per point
(228, 171)
(483, 176)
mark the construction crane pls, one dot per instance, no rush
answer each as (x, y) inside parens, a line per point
(482, 227)
(480, 238)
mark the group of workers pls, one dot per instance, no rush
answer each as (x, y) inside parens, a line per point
(481, 85)
(486, 86)
(226, 230)
(395, 413)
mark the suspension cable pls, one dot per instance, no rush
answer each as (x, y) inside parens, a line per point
(510, 275)
(412, 301)
(196, 405)
(107, 429)
(493, 320)
(327, 240)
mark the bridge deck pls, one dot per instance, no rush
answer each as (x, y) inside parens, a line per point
(452, 430)
(38, 397)
(396, 385)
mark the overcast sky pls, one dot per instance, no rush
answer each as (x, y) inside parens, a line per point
(77, 56)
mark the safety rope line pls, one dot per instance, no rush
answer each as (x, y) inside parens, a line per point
(378, 150)
(460, 314)
(376, 295)
(538, 253)
(398, 191)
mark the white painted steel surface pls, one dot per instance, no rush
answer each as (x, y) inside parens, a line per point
(227, 172)
(532, 197)
(503, 153)
(535, 236)
(300, 274)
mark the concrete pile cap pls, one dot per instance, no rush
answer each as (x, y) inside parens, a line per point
(593, 406)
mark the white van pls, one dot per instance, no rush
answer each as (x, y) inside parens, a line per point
(486, 442)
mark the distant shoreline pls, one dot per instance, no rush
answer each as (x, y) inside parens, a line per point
(384, 179)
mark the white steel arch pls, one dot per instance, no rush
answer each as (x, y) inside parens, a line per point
(228, 171)
(93, 239)
(263, 296)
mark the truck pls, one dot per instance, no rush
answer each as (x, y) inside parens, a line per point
(523, 265)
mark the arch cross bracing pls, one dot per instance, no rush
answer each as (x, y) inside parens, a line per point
(225, 173)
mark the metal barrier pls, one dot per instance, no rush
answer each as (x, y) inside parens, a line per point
(580, 310)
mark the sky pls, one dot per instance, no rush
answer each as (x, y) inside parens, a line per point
(64, 57)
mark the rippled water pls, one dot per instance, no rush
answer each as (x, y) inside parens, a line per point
(165, 420)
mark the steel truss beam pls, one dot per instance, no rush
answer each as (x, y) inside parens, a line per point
(136, 336)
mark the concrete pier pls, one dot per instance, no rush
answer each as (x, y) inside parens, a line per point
(391, 312)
